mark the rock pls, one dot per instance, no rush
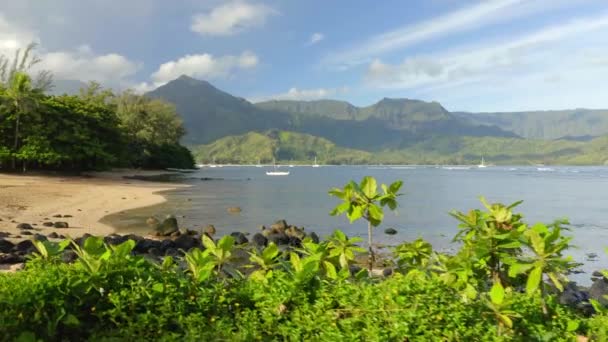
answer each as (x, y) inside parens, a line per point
(239, 238)
(314, 237)
(278, 238)
(4, 234)
(80, 241)
(168, 227)
(597, 274)
(133, 237)
(279, 226)
(25, 246)
(173, 252)
(296, 232)
(61, 224)
(259, 240)
(40, 237)
(210, 230)
(390, 231)
(572, 295)
(48, 224)
(176, 234)
(191, 232)
(295, 242)
(354, 269)
(61, 236)
(186, 242)
(167, 244)
(58, 215)
(25, 232)
(262, 227)
(387, 272)
(152, 222)
(69, 256)
(155, 251)
(234, 210)
(67, 216)
(6, 246)
(146, 245)
(599, 291)
(53, 235)
(114, 239)
(24, 226)
(11, 259)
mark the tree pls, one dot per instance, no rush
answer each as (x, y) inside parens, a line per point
(363, 201)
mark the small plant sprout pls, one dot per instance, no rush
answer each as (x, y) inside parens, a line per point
(363, 201)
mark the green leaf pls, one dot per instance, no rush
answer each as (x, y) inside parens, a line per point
(330, 270)
(355, 213)
(572, 326)
(341, 208)
(394, 188)
(208, 242)
(497, 293)
(295, 261)
(534, 279)
(506, 320)
(271, 251)
(369, 187)
(226, 243)
(376, 215)
(158, 287)
(337, 193)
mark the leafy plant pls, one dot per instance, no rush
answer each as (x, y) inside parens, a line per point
(363, 201)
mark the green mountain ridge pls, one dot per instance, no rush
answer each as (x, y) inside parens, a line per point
(209, 113)
(292, 147)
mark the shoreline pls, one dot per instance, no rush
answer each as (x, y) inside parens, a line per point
(85, 199)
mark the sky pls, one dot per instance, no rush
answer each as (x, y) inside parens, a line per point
(492, 55)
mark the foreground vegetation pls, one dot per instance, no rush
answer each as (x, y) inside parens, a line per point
(94, 130)
(503, 284)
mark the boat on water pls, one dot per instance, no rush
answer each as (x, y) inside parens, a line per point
(315, 164)
(482, 165)
(276, 172)
(258, 164)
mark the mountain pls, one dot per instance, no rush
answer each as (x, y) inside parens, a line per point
(282, 146)
(209, 114)
(574, 124)
(414, 116)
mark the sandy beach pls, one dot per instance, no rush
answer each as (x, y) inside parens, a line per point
(34, 199)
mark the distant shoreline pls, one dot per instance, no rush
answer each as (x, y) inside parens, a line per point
(85, 199)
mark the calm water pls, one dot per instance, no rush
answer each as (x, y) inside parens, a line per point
(577, 193)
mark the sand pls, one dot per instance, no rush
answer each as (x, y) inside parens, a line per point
(35, 199)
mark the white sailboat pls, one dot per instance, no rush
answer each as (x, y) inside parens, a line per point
(258, 164)
(483, 164)
(315, 164)
(276, 172)
(213, 164)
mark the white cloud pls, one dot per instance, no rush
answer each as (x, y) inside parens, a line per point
(545, 50)
(231, 18)
(13, 37)
(315, 38)
(479, 15)
(83, 64)
(296, 94)
(204, 66)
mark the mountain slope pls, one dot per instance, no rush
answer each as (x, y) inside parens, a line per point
(282, 146)
(209, 113)
(577, 124)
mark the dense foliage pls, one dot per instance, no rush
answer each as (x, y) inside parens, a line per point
(503, 285)
(96, 129)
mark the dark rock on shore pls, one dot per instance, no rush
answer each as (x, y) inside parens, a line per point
(53, 235)
(278, 238)
(69, 256)
(186, 242)
(48, 224)
(145, 245)
(314, 237)
(259, 240)
(40, 237)
(114, 239)
(210, 230)
(599, 291)
(6, 246)
(11, 259)
(24, 226)
(25, 246)
(239, 238)
(61, 224)
(58, 215)
(4, 234)
(25, 232)
(168, 226)
(279, 225)
(165, 245)
(390, 231)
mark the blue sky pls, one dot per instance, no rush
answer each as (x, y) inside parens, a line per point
(494, 55)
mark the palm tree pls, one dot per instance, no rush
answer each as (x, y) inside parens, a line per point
(22, 98)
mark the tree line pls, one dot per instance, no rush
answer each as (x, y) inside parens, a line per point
(96, 129)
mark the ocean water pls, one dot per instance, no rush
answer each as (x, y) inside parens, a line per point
(579, 194)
